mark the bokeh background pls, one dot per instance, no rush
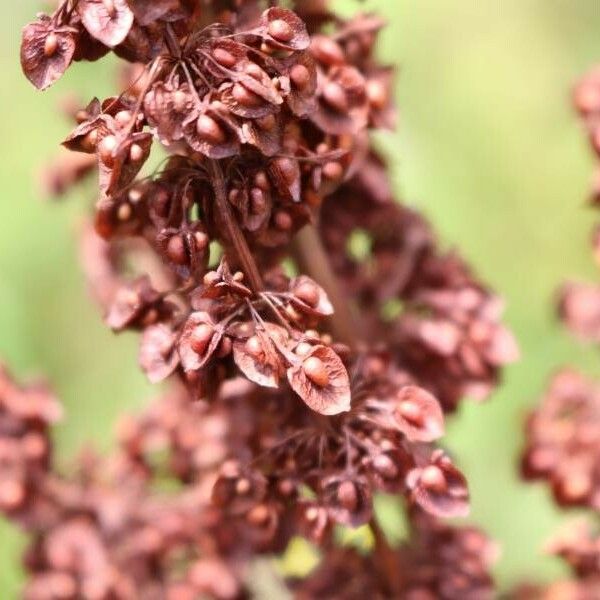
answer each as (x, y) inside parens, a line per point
(487, 147)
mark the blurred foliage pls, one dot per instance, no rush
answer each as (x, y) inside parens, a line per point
(488, 148)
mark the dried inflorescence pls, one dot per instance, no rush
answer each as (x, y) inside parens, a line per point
(563, 432)
(563, 440)
(437, 562)
(285, 417)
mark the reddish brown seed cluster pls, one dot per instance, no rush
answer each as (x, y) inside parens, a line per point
(444, 326)
(563, 440)
(563, 432)
(306, 378)
(438, 561)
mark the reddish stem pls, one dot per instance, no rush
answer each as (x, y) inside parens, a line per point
(236, 237)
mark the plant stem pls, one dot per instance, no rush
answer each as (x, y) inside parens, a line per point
(387, 559)
(236, 237)
(312, 259)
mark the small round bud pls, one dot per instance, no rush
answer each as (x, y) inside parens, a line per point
(335, 96)
(179, 101)
(106, 147)
(201, 337)
(333, 170)
(311, 514)
(300, 76)
(347, 495)
(385, 466)
(89, 142)
(176, 250)
(327, 51)
(303, 348)
(242, 487)
(224, 58)
(432, 477)
(308, 293)
(242, 95)
(286, 487)
(254, 346)
(136, 153)
(254, 71)
(314, 368)
(262, 181)
(258, 515)
(209, 130)
(201, 240)
(123, 117)
(281, 30)
(377, 94)
(12, 494)
(411, 412)
(124, 211)
(283, 220)
(50, 45)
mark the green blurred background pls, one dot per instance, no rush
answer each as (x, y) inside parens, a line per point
(487, 147)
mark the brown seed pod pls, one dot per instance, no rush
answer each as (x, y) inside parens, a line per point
(321, 380)
(46, 51)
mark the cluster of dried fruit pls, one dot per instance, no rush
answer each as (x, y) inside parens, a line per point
(296, 397)
(563, 432)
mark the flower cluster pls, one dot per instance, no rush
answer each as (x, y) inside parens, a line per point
(305, 378)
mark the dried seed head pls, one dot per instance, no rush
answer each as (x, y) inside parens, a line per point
(209, 130)
(201, 337)
(315, 370)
